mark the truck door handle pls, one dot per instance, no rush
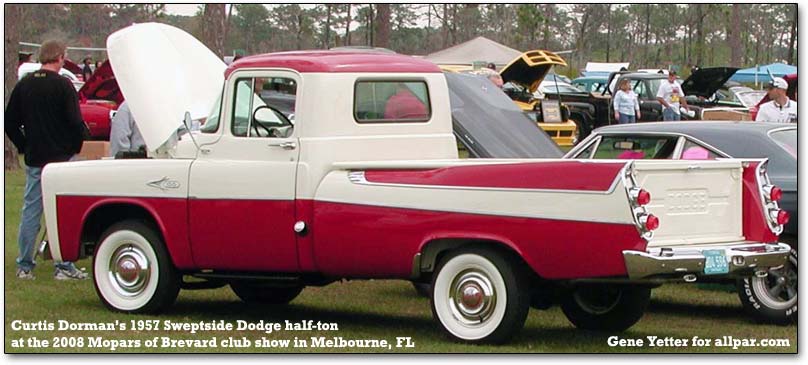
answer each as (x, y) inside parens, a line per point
(284, 145)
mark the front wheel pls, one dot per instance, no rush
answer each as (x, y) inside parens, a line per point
(132, 270)
(772, 298)
(605, 307)
(479, 296)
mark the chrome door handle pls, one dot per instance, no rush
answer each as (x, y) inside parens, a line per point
(284, 145)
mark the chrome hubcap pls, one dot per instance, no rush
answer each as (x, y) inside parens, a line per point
(129, 270)
(778, 290)
(472, 297)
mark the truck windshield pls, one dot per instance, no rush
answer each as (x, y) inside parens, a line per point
(787, 139)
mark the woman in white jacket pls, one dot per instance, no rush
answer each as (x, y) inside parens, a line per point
(626, 104)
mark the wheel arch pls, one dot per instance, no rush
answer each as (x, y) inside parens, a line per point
(103, 214)
(432, 250)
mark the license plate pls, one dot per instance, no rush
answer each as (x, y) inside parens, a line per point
(715, 262)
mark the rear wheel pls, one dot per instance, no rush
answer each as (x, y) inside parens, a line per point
(605, 307)
(772, 298)
(480, 297)
(265, 294)
(132, 270)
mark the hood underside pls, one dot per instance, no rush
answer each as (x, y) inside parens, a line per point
(705, 82)
(164, 72)
(529, 69)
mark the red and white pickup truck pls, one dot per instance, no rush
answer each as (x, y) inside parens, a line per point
(366, 183)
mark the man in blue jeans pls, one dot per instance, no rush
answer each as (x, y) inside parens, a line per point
(44, 122)
(671, 96)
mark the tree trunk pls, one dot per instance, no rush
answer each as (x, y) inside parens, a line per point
(792, 39)
(383, 24)
(369, 28)
(734, 35)
(12, 15)
(327, 31)
(348, 27)
(213, 20)
(608, 29)
(647, 31)
(227, 23)
(699, 34)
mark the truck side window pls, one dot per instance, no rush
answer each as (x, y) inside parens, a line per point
(264, 107)
(391, 101)
(636, 148)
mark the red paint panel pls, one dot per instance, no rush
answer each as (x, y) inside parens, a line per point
(169, 213)
(755, 227)
(304, 212)
(96, 115)
(370, 241)
(566, 175)
(253, 235)
(335, 61)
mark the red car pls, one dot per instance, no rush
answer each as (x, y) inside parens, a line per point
(99, 99)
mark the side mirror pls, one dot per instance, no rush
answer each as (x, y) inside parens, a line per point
(187, 120)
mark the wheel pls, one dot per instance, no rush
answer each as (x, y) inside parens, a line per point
(605, 307)
(132, 270)
(423, 289)
(772, 298)
(479, 296)
(265, 294)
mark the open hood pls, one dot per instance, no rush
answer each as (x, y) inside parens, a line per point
(164, 72)
(490, 125)
(705, 82)
(530, 68)
(102, 85)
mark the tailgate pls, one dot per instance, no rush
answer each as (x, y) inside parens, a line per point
(697, 202)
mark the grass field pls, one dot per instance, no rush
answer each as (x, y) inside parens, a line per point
(361, 310)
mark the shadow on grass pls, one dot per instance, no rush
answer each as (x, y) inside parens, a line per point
(700, 310)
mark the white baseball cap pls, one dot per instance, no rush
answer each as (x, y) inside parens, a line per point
(778, 83)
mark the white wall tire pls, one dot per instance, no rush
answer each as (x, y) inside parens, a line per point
(772, 299)
(132, 271)
(480, 297)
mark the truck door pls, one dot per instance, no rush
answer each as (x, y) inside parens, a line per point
(242, 185)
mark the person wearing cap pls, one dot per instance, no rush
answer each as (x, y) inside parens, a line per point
(671, 96)
(780, 109)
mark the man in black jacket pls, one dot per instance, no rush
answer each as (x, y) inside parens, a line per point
(44, 122)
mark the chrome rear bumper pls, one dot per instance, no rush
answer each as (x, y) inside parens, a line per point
(689, 261)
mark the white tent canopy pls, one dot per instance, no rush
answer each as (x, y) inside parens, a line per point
(479, 49)
(605, 67)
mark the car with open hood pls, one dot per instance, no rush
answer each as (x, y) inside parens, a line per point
(99, 98)
(366, 183)
(773, 297)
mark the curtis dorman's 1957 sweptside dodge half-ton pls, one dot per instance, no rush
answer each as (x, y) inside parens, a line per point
(365, 182)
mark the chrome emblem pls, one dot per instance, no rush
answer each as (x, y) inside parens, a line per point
(164, 183)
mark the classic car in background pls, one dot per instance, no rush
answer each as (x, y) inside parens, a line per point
(703, 83)
(523, 77)
(774, 297)
(99, 98)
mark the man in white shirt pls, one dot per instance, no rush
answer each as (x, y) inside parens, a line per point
(780, 109)
(671, 96)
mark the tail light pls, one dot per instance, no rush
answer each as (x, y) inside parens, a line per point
(649, 221)
(770, 195)
(780, 216)
(638, 199)
(773, 193)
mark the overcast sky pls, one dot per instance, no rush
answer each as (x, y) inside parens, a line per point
(181, 9)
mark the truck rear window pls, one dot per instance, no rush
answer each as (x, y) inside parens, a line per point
(390, 101)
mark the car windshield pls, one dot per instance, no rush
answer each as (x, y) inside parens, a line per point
(787, 139)
(626, 147)
(751, 98)
(561, 88)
